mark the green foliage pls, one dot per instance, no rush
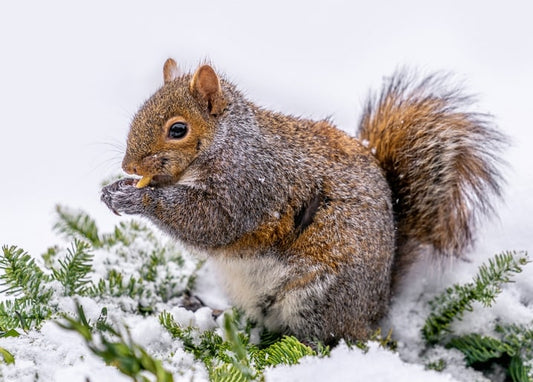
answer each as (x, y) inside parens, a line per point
(21, 276)
(506, 351)
(477, 348)
(438, 365)
(205, 346)
(377, 336)
(233, 357)
(77, 225)
(457, 299)
(518, 371)
(121, 352)
(511, 348)
(23, 279)
(9, 333)
(141, 270)
(238, 354)
(147, 270)
(49, 257)
(23, 313)
(116, 285)
(74, 268)
(288, 351)
(7, 356)
(155, 270)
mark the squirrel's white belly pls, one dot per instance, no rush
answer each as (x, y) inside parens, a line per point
(254, 283)
(258, 286)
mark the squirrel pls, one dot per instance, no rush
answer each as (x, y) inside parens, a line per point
(309, 227)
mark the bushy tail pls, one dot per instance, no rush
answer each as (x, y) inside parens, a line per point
(440, 160)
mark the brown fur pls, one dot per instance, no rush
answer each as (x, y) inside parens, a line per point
(304, 222)
(155, 154)
(170, 70)
(441, 163)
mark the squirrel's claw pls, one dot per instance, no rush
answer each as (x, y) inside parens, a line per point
(118, 196)
(115, 211)
(108, 200)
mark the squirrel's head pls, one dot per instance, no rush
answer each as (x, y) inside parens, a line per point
(172, 127)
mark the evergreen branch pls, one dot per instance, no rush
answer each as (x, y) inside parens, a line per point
(518, 371)
(235, 359)
(438, 365)
(149, 271)
(21, 274)
(385, 342)
(126, 233)
(499, 270)
(511, 351)
(115, 285)
(203, 351)
(452, 303)
(77, 226)
(224, 360)
(477, 348)
(128, 357)
(518, 336)
(239, 360)
(22, 313)
(73, 270)
(49, 256)
(288, 351)
(227, 372)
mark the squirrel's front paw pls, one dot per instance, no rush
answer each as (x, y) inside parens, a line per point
(123, 197)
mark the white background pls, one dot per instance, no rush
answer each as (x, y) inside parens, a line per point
(72, 74)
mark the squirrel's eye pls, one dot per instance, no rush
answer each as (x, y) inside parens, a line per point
(177, 130)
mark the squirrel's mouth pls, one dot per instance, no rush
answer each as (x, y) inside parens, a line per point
(155, 181)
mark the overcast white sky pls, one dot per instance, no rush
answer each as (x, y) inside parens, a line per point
(72, 75)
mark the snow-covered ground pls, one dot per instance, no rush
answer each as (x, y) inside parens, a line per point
(72, 75)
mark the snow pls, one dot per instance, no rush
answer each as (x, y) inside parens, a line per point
(73, 74)
(55, 355)
(345, 364)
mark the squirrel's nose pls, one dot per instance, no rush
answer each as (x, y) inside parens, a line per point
(129, 167)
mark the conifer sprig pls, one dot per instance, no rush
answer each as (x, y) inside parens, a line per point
(452, 304)
(77, 225)
(72, 271)
(512, 348)
(120, 351)
(21, 276)
(23, 313)
(156, 271)
(234, 357)
(146, 271)
(114, 284)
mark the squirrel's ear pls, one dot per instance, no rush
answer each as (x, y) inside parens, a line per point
(206, 85)
(170, 70)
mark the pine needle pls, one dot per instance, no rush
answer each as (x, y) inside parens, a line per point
(77, 225)
(73, 270)
(452, 304)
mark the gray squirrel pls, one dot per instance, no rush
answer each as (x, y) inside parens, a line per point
(309, 227)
